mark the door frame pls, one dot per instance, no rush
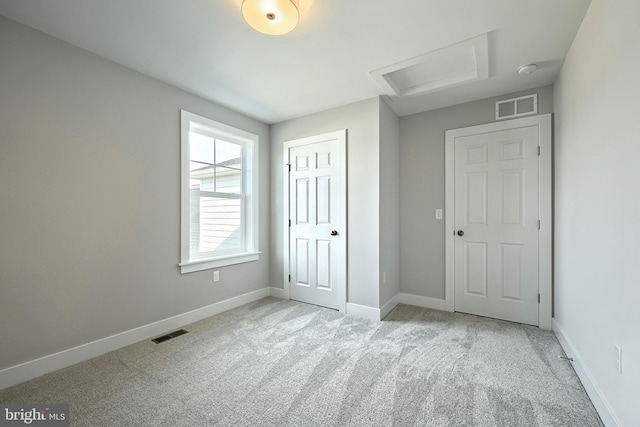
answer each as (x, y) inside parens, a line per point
(545, 234)
(341, 223)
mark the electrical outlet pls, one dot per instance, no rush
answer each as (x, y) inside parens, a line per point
(216, 276)
(619, 358)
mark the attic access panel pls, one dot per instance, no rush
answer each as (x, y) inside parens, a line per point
(454, 65)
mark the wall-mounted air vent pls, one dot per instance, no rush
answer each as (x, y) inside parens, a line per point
(169, 336)
(516, 107)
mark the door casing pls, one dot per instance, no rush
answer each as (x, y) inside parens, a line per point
(341, 135)
(545, 260)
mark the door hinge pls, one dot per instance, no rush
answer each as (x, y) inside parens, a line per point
(538, 224)
(289, 223)
(289, 278)
(538, 298)
(289, 167)
(538, 151)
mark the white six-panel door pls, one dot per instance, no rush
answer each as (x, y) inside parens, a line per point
(316, 270)
(496, 216)
(498, 189)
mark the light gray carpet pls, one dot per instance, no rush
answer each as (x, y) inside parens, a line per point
(282, 363)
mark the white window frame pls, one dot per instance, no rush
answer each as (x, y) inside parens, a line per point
(249, 142)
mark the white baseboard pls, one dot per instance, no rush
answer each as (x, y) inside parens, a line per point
(386, 309)
(373, 313)
(370, 313)
(597, 398)
(276, 292)
(35, 368)
(425, 302)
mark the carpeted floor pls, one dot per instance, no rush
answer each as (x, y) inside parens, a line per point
(283, 363)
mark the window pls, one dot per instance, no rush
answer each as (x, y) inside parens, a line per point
(219, 220)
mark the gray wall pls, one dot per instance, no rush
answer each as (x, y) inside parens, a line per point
(361, 121)
(597, 202)
(89, 190)
(422, 163)
(389, 204)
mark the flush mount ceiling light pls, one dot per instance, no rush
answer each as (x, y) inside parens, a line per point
(527, 69)
(273, 17)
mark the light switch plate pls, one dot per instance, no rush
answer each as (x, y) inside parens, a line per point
(438, 213)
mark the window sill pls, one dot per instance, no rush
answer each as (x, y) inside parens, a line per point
(207, 264)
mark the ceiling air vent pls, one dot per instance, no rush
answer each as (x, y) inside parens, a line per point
(517, 107)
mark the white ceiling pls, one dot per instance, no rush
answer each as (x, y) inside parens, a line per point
(205, 47)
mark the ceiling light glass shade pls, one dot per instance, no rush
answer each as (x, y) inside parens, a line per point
(274, 17)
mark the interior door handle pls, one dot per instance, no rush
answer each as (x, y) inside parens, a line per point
(460, 233)
(334, 233)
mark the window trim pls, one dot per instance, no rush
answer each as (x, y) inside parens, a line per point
(250, 143)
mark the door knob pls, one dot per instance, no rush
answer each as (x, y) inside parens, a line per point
(334, 233)
(460, 233)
